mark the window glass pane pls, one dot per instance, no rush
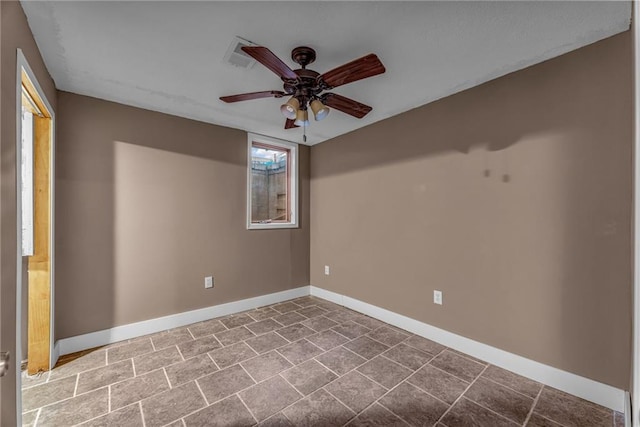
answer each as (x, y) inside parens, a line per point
(269, 184)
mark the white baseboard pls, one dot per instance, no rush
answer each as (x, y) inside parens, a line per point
(588, 389)
(133, 330)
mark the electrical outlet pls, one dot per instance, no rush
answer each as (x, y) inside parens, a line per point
(208, 282)
(326, 270)
(437, 297)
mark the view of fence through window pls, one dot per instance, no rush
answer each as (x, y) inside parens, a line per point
(269, 184)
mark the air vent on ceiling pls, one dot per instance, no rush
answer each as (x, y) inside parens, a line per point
(236, 56)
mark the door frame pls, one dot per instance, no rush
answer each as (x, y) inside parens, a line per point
(23, 65)
(634, 409)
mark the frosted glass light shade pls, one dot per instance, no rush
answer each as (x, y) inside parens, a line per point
(290, 108)
(302, 118)
(320, 111)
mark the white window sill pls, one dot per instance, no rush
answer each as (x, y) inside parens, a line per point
(272, 226)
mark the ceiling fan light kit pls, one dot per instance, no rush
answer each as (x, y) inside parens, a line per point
(306, 87)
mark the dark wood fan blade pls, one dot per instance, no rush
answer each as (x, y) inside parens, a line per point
(271, 61)
(289, 124)
(346, 105)
(361, 68)
(253, 95)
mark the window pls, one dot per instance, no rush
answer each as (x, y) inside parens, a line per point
(272, 179)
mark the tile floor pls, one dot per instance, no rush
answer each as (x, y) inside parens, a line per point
(304, 362)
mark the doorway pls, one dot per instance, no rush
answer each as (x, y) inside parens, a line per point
(36, 183)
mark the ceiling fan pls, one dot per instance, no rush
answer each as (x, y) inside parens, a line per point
(306, 87)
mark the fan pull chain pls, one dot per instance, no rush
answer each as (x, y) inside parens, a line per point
(304, 131)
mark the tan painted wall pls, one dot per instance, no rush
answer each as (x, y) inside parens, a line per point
(148, 205)
(14, 33)
(513, 198)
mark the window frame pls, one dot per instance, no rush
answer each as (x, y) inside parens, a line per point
(292, 184)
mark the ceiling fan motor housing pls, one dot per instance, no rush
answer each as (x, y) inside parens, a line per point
(303, 55)
(305, 88)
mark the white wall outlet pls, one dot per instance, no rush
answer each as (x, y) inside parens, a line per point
(326, 270)
(208, 282)
(437, 297)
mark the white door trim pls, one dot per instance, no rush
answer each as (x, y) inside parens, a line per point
(635, 362)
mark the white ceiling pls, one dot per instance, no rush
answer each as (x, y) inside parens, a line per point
(168, 56)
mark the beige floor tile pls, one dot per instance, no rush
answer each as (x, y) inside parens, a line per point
(233, 336)
(308, 377)
(237, 320)
(377, 416)
(100, 377)
(269, 397)
(384, 371)
(318, 409)
(156, 360)
(319, 323)
(414, 405)
(571, 411)
(289, 318)
(171, 405)
(202, 345)
(513, 381)
(264, 326)
(208, 327)
(504, 401)
(459, 366)
(28, 418)
(295, 332)
(45, 394)
(351, 329)
(232, 354)
(75, 410)
(408, 356)
(87, 362)
(190, 369)
(267, 365)
(366, 347)
(327, 340)
(138, 388)
(170, 338)
(228, 412)
(355, 390)
(466, 413)
(439, 383)
(266, 342)
(388, 336)
(424, 344)
(129, 416)
(223, 383)
(300, 351)
(340, 360)
(129, 350)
